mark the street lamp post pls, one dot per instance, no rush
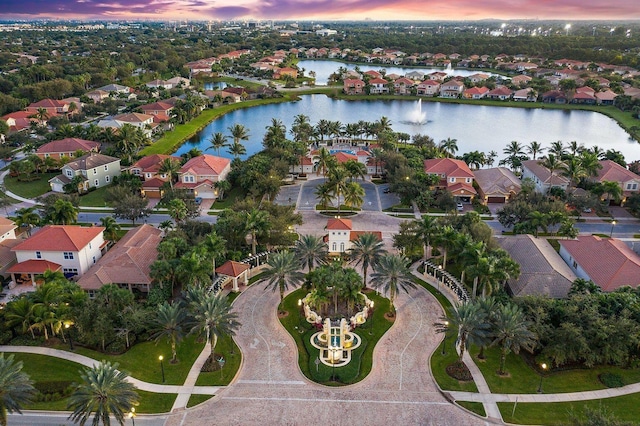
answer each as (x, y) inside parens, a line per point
(161, 358)
(132, 416)
(444, 341)
(544, 368)
(613, 224)
(221, 362)
(68, 326)
(441, 276)
(371, 320)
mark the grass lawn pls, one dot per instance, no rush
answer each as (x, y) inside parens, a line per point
(476, 407)
(197, 399)
(94, 198)
(624, 408)
(30, 189)
(233, 358)
(151, 403)
(523, 379)
(362, 358)
(141, 361)
(230, 197)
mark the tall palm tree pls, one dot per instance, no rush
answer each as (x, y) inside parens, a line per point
(612, 189)
(486, 274)
(449, 146)
(392, 275)
(170, 167)
(324, 194)
(212, 318)
(323, 128)
(514, 148)
(282, 272)
(63, 213)
(324, 160)
(534, 148)
(16, 389)
(511, 332)
(311, 250)
(538, 220)
(554, 164)
(19, 313)
(355, 169)
(427, 229)
(213, 246)
(574, 170)
(256, 221)
(338, 182)
(168, 323)
(353, 194)
(446, 239)
(557, 149)
(111, 227)
(27, 216)
(237, 149)
(239, 133)
(103, 392)
(275, 135)
(590, 163)
(218, 140)
(366, 250)
(469, 322)
(222, 186)
(575, 148)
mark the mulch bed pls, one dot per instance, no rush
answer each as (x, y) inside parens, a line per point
(459, 371)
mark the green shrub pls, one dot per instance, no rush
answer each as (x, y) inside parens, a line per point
(611, 380)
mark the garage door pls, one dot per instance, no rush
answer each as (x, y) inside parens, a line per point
(495, 200)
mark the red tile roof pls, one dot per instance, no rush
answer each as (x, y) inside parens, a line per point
(447, 166)
(339, 224)
(343, 157)
(68, 145)
(154, 183)
(34, 266)
(60, 238)
(609, 262)
(231, 268)
(206, 165)
(378, 81)
(461, 188)
(156, 106)
(48, 103)
(612, 171)
(151, 163)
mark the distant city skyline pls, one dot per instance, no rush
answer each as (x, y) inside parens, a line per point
(322, 9)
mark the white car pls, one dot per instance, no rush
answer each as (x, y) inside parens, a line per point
(459, 207)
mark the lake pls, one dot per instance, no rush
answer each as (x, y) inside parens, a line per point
(476, 127)
(324, 69)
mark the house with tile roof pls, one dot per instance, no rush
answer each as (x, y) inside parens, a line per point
(71, 249)
(116, 88)
(127, 264)
(475, 93)
(353, 86)
(97, 95)
(542, 270)
(52, 106)
(304, 166)
(614, 172)
(542, 176)
(200, 174)
(525, 95)
(66, 147)
(161, 110)
(451, 89)
(403, 86)
(136, 119)
(7, 242)
(501, 93)
(496, 185)
(96, 171)
(455, 177)
(428, 88)
(606, 97)
(608, 262)
(148, 169)
(341, 235)
(20, 120)
(378, 86)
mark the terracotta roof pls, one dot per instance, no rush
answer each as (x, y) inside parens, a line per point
(231, 268)
(305, 161)
(91, 161)
(606, 95)
(544, 174)
(378, 81)
(497, 180)
(461, 188)
(157, 106)
(429, 83)
(343, 157)
(133, 117)
(609, 262)
(34, 266)
(542, 270)
(153, 183)
(447, 166)
(612, 171)
(68, 145)
(60, 238)
(339, 224)
(47, 103)
(128, 262)
(6, 225)
(151, 163)
(353, 235)
(7, 256)
(206, 165)
(193, 185)
(476, 91)
(500, 91)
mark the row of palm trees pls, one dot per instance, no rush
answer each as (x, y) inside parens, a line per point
(62, 212)
(391, 272)
(340, 182)
(484, 322)
(219, 140)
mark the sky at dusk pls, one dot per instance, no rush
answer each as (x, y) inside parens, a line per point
(322, 9)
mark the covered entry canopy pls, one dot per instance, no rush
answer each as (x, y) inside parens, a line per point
(26, 271)
(234, 270)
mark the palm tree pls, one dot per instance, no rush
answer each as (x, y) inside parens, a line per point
(486, 274)
(256, 221)
(212, 318)
(590, 163)
(237, 149)
(449, 146)
(514, 149)
(574, 170)
(446, 240)
(170, 167)
(168, 323)
(323, 128)
(111, 227)
(392, 275)
(275, 135)
(353, 194)
(557, 149)
(218, 140)
(427, 228)
(16, 389)
(222, 186)
(511, 332)
(538, 220)
(311, 250)
(367, 250)
(469, 322)
(553, 163)
(178, 210)
(214, 246)
(282, 272)
(337, 182)
(355, 169)
(534, 148)
(20, 313)
(239, 133)
(575, 148)
(27, 217)
(324, 160)
(63, 213)
(612, 189)
(323, 192)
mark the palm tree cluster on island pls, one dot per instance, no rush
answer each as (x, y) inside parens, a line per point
(326, 275)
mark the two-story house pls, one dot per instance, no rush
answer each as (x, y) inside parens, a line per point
(496, 185)
(70, 249)
(52, 106)
(455, 177)
(161, 110)
(136, 119)
(542, 177)
(341, 235)
(66, 147)
(403, 86)
(148, 168)
(428, 88)
(378, 86)
(451, 89)
(614, 172)
(353, 86)
(201, 173)
(96, 170)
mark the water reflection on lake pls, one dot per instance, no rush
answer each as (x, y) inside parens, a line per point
(476, 127)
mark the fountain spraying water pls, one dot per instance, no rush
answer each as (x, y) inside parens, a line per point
(417, 116)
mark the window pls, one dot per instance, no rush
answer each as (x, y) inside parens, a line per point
(70, 271)
(468, 180)
(163, 175)
(68, 173)
(341, 247)
(38, 255)
(96, 182)
(89, 246)
(106, 167)
(46, 155)
(452, 180)
(71, 154)
(94, 259)
(107, 178)
(95, 171)
(334, 246)
(575, 265)
(68, 255)
(632, 186)
(148, 175)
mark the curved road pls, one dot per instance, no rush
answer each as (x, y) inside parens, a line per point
(270, 389)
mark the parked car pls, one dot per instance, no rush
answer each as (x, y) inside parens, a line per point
(198, 200)
(386, 190)
(459, 207)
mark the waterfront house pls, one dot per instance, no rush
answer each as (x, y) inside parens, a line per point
(542, 176)
(66, 147)
(614, 172)
(496, 185)
(455, 177)
(200, 174)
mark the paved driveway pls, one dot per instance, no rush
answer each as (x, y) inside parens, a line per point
(270, 390)
(308, 199)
